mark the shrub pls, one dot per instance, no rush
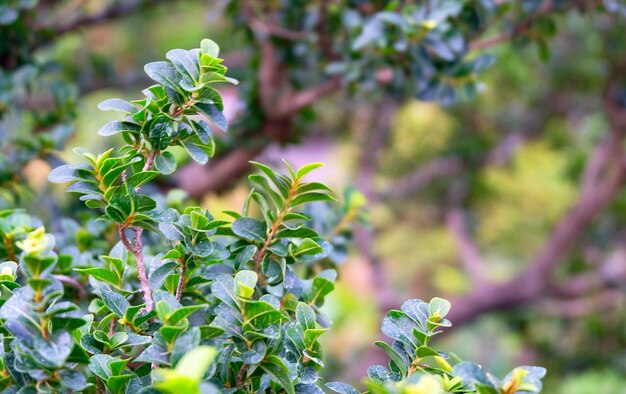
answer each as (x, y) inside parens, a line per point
(185, 302)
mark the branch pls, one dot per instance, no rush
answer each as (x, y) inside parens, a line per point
(68, 280)
(197, 180)
(583, 306)
(532, 283)
(268, 80)
(451, 166)
(373, 143)
(423, 176)
(266, 28)
(137, 249)
(181, 281)
(468, 250)
(113, 11)
(292, 102)
(525, 25)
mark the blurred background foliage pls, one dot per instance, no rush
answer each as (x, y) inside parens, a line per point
(511, 158)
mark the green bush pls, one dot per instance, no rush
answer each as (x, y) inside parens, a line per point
(187, 303)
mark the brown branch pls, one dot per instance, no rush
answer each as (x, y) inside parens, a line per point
(423, 176)
(241, 375)
(295, 101)
(197, 180)
(141, 270)
(583, 306)
(137, 250)
(269, 81)
(532, 283)
(377, 125)
(114, 11)
(260, 255)
(468, 250)
(266, 28)
(82, 293)
(451, 166)
(181, 280)
(520, 29)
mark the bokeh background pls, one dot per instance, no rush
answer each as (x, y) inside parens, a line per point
(462, 198)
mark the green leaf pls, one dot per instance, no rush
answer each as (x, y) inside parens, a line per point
(117, 384)
(68, 173)
(259, 315)
(183, 312)
(116, 263)
(223, 288)
(118, 339)
(280, 183)
(319, 289)
(307, 169)
(313, 186)
(186, 62)
(395, 357)
(165, 74)
(213, 113)
(250, 229)
(312, 334)
(305, 316)
(310, 197)
(278, 372)
(102, 274)
(307, 247)
(118, 126)
(98, 364)
(111, 175)
(116, 104)
(197, 153)
(170, 333)
(265, 186)
(438, 307)
(165, 163)
(196, 362)
(141, 178)
(342, 388)
(302, 232)
(210, 47)
(157, 277)
(425, 351)
(115, 302)
(245, 282)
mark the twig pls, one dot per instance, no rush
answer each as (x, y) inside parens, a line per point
(260, 255)
(137, 250)
(181, 280)
(423, 176)
(532, 283)
(114, 11)
(82, 293)
(519, 29)
(470, 255)
(267, 28)
(241, 374)
(99, 389)
(293, 102)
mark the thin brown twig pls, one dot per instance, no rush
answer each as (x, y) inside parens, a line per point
(518, 30)
(295, 101)
(468, 250)
(82, 293)
(141, 269)
(115, 11)
(181, 280)
(242, 374)
(260, 255)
